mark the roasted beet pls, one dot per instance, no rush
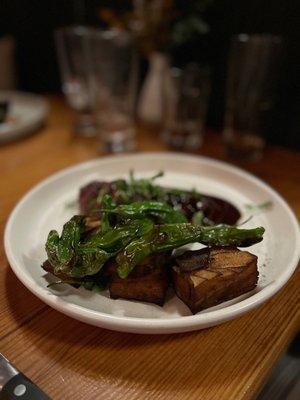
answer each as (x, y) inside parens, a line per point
(88, 195)
(219, 211)
(215, 210)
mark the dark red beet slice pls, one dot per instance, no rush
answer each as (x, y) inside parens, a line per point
(215, 210)
(219, 211)
(88, 195)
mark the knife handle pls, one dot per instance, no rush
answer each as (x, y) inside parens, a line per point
(21, 388)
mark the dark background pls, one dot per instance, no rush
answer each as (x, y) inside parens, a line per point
(32, 22)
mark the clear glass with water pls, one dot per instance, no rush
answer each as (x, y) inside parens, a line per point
(113, 83)
(185, 99)
(253, 69)
(75, 70)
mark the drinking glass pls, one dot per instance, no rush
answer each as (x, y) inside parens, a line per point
(113, 82)
(253, 69)
(185, 99)
(72, 44)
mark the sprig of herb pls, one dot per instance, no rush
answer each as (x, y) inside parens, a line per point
(264, 206)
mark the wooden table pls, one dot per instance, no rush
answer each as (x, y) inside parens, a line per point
(71, 360)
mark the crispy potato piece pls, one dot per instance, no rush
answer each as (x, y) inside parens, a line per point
(207, 277)
(147, 282)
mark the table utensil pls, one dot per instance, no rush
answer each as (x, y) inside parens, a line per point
(15, 385)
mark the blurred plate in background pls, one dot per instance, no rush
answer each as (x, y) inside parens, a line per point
(26, 113)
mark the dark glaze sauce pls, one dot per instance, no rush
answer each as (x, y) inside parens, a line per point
(215, 210)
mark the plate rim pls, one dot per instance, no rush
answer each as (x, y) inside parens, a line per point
(151, 325)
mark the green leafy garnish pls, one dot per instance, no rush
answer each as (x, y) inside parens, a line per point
(266, 205)
(198, 218)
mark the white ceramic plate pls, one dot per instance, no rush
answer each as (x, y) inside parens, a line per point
(46, 207)
(26, 113)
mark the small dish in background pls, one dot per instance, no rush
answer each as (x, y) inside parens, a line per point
(20, 114)
(4, 105)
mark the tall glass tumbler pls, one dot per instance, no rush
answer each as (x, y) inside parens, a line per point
(253, 69)
(114, 79)
(72, 44)
(185, 99)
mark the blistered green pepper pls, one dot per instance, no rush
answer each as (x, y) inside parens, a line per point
(169, 237)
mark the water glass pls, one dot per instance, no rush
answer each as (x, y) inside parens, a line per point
(72, 44)
(253, 69)
(185, 99)
(113, 83)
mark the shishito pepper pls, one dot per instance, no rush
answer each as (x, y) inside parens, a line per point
(159, 210)
(169, 237)
(76, 256)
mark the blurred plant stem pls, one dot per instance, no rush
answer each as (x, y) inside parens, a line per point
(161, 25)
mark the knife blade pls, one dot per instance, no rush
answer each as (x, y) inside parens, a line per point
(16, 386)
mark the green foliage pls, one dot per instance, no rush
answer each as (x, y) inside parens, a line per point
(266, 205)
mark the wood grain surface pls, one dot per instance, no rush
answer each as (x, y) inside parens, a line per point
(71, 360)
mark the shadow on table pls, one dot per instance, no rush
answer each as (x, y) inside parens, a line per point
(22, 303)
(173, 363)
